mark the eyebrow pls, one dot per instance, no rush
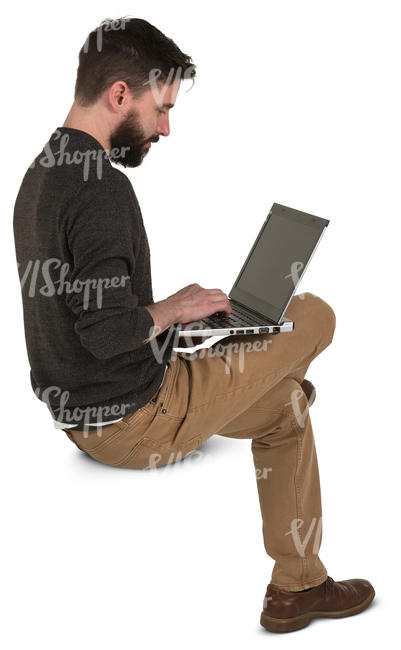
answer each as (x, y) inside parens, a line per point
(168, 105)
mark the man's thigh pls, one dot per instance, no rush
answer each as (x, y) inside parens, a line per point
(216, 384)
(236, 362)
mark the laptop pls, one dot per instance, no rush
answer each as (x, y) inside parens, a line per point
(268, 278)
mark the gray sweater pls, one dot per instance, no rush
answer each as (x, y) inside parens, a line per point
(84, 266)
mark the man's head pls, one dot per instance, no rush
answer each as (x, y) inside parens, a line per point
(128, 78)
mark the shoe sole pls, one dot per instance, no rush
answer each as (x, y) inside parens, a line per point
(298, 622)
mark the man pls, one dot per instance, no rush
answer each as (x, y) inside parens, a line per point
(101, 351)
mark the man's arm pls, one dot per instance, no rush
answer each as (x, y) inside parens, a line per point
(164, 314)
(109, 320)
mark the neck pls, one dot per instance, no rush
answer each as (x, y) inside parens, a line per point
(88, 120)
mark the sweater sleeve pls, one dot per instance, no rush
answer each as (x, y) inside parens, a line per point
(100, 231)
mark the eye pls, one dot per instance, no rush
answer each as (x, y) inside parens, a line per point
(161, 112)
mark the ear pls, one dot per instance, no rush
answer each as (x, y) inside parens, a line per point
(117, 95)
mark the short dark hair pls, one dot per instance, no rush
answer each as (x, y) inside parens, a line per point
(128, 49)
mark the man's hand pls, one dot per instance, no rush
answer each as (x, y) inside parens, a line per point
(192, 303)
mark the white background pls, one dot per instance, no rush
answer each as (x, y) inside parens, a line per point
(296, 103)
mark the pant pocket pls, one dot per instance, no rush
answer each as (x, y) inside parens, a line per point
(173, 397)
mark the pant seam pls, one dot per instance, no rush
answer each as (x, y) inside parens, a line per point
(298, 492)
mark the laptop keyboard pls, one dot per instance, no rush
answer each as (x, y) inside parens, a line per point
(237, 318)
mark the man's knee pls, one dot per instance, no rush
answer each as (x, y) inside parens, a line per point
(316, 313)
(289, 399)
(327, 319)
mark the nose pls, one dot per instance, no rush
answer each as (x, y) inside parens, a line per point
(163, 127)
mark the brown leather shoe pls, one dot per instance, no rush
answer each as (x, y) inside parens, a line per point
(309, 390)
(286, 611)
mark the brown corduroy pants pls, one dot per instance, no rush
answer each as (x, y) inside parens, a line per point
(242, 387)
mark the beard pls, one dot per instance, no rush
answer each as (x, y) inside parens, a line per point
(127, 142)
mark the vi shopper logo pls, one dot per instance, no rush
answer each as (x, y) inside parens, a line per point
(57, 399)
(297, 402)
(175, 76)
(156, 461)
(294, 274)
(52, 277)
(108, 25)
(224, 350)
(314, 533)
(262, 472)
(56, 157)
(173, 458)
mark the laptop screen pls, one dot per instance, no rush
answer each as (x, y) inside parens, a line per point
(277, 261)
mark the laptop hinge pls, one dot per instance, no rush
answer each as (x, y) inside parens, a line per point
(252, 311)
